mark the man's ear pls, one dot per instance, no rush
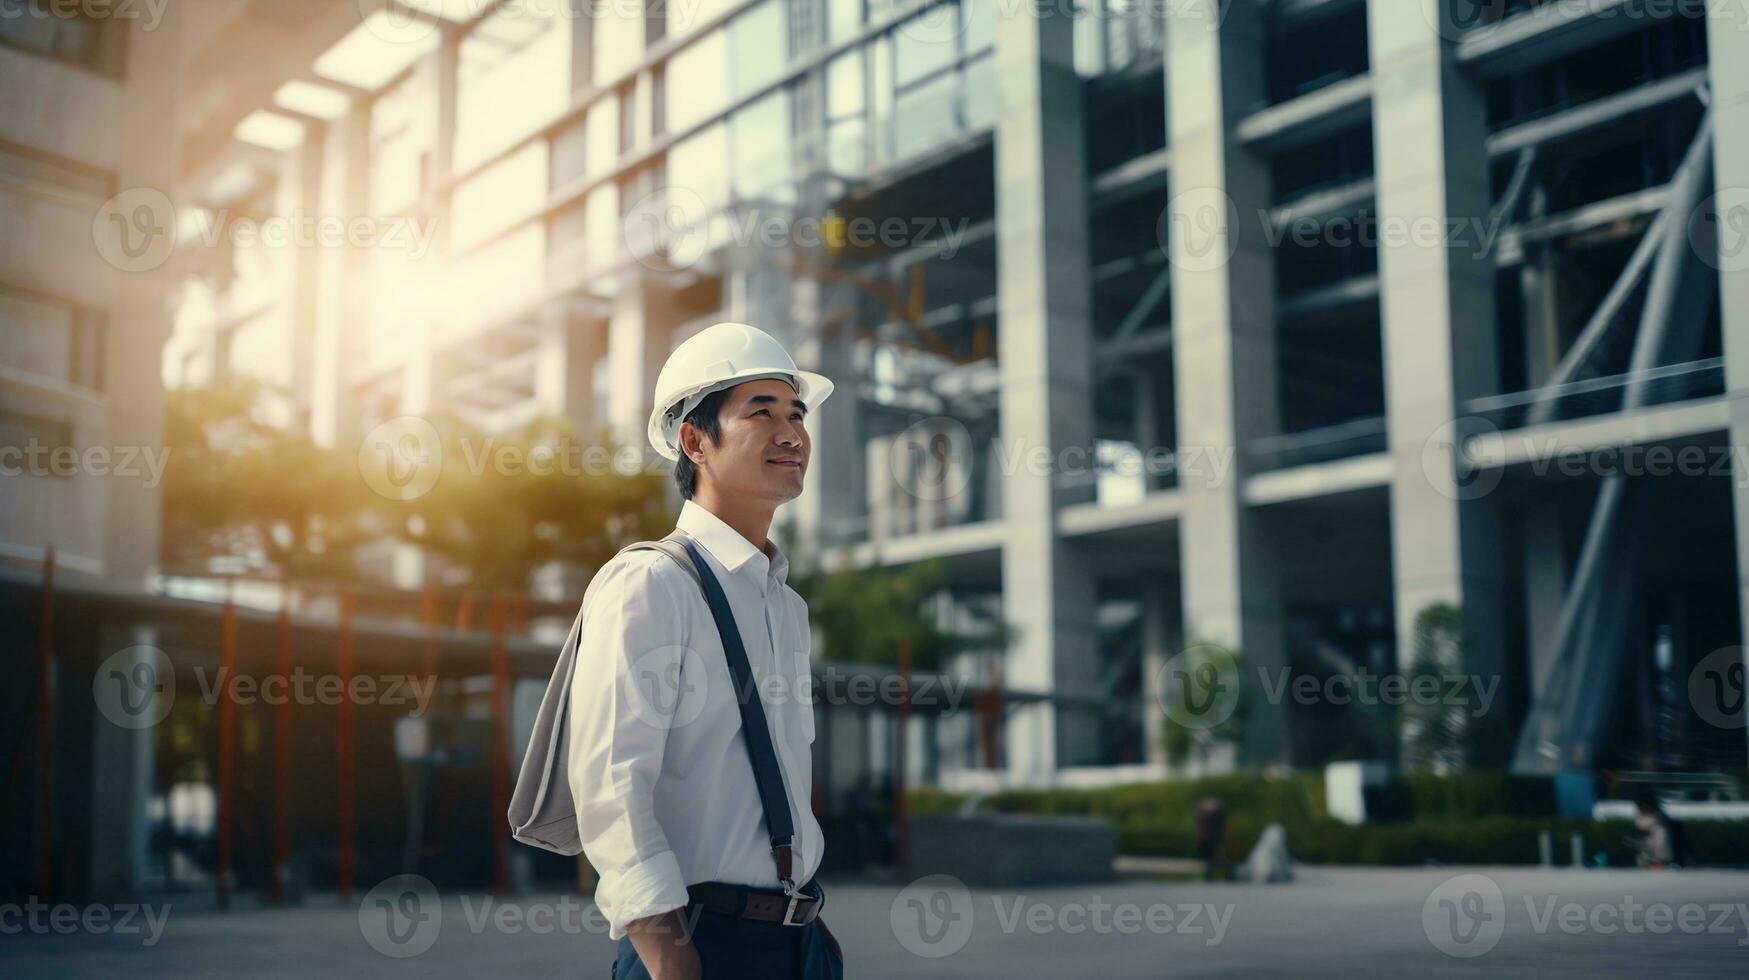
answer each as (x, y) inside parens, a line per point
(691, 441)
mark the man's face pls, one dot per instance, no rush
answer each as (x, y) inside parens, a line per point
(762, 447)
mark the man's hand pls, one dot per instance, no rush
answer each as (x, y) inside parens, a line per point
(665, 946)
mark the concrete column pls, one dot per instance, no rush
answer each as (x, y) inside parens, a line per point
(837, 478)
(299, 191)
(120, 774)
(343, 298)
(1223, 323)
(1160, 640)
(1437, 304)
(565, 374)
(1728, 51)
(637, 345)
(1044, 312)
(1545, 587)
(139, 305)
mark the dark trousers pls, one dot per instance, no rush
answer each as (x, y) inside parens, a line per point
(731, 948)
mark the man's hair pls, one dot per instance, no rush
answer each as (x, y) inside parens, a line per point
(704, 416)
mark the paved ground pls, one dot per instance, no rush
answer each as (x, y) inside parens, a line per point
(1330, 922)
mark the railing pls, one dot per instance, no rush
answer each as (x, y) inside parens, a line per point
(1599, 396)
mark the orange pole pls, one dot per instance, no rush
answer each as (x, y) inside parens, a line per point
(45, 745)
(500, 749)
(227, 723)
(282, 749)
(343, 745)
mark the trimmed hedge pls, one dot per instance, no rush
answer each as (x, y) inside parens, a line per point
(1476, 818)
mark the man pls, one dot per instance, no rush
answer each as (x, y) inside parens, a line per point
(668, 809)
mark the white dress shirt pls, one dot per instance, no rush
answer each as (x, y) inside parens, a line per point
(661, 776)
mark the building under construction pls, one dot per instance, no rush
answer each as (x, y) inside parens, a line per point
(1331, 318)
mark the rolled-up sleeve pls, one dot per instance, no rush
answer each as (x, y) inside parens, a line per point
(623, 699)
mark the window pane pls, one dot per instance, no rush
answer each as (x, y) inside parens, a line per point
(983, 100)
(403, 125)
(698, 82)
(618, 41)
(844, 96)
(601, 132)
(699, 164)
(686, 16)
(925, 43)
(513, 76)
(762, 147)
(756, 47)
(843, 18)
(505, 191)
(980, 16)
(923, 116)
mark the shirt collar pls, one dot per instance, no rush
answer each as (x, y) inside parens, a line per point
(728, 546)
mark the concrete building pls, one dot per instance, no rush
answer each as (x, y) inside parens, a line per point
(88, 101)
(1270, 325)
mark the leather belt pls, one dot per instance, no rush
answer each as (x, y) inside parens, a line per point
(762, 904)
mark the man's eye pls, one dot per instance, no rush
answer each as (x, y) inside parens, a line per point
(763, 411)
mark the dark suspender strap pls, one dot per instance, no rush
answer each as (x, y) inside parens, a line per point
(757, 734)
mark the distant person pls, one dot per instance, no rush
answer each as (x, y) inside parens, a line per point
(1211, 829)
(1662, 840)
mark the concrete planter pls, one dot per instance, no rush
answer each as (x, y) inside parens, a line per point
(998, 850)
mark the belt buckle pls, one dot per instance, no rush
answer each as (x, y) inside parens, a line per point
(796, 895)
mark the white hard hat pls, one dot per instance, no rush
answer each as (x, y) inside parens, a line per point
(721, 356)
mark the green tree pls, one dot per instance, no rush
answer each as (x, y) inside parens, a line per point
(242, 494)
(863, 614)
